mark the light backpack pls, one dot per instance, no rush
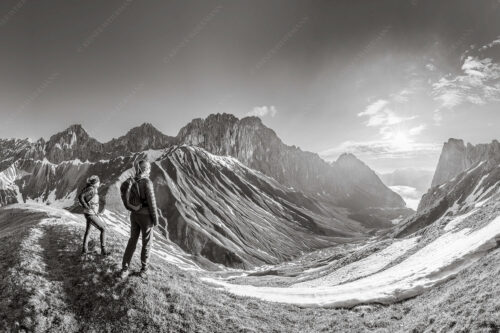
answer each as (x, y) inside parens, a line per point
(131, 195)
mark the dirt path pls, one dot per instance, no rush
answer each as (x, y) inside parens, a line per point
(50, 286)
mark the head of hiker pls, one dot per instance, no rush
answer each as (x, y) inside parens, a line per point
(93, 181)
(142, 168)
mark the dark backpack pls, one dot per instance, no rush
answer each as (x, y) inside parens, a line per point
(131, 196)
(86, 194)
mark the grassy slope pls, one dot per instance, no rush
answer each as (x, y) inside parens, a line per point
(47, 286)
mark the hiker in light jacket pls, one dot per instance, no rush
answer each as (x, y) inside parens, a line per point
(143, 220)
(89, 199)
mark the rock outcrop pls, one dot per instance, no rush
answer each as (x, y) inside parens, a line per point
(457, 157)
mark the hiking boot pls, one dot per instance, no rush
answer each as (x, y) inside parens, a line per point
(143, 273)
(124, 274)
(104, 252)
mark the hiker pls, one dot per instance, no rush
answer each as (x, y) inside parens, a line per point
(89, 200)
(140, 199)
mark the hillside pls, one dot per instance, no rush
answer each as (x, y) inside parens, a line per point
(50, 287)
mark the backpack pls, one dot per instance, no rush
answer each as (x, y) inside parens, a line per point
(88, 192)
(131, 195)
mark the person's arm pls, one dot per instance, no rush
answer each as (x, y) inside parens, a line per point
(151, 199)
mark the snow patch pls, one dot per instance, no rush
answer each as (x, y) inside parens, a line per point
(433, 264)
(364, 267)
(457, 220)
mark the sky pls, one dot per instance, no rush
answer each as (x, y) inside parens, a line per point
(389, 81)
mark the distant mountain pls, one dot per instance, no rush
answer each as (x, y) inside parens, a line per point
(457, 157)
(75, 143)
(409, 183)
(420, 179)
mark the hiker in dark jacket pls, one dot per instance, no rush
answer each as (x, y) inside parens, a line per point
(89, 199)
(143, 220)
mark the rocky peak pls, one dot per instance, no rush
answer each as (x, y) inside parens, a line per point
(72, 135)
(72, 143)
(349, 158)
(457, 157)
(145, 128)
(139, 138)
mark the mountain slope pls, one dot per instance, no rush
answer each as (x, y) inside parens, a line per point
(234, 215)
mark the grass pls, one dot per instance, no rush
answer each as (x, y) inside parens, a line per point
(47, 286)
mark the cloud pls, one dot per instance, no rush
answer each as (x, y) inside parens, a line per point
(479, 83)
(382, 149)
(417, 130)
(490, 45)
(262, 111)
(374, 108)
(379, 115)
(403, 96)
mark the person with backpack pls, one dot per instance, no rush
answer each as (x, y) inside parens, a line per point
(89, 200)
(138, 197)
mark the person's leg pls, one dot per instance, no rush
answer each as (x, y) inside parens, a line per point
(101, 226)
(132, 242)
(147, 240)
(86, 235)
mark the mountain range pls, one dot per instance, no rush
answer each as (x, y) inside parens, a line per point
(232, 191)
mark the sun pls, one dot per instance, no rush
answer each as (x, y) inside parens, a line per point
(401, 140)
